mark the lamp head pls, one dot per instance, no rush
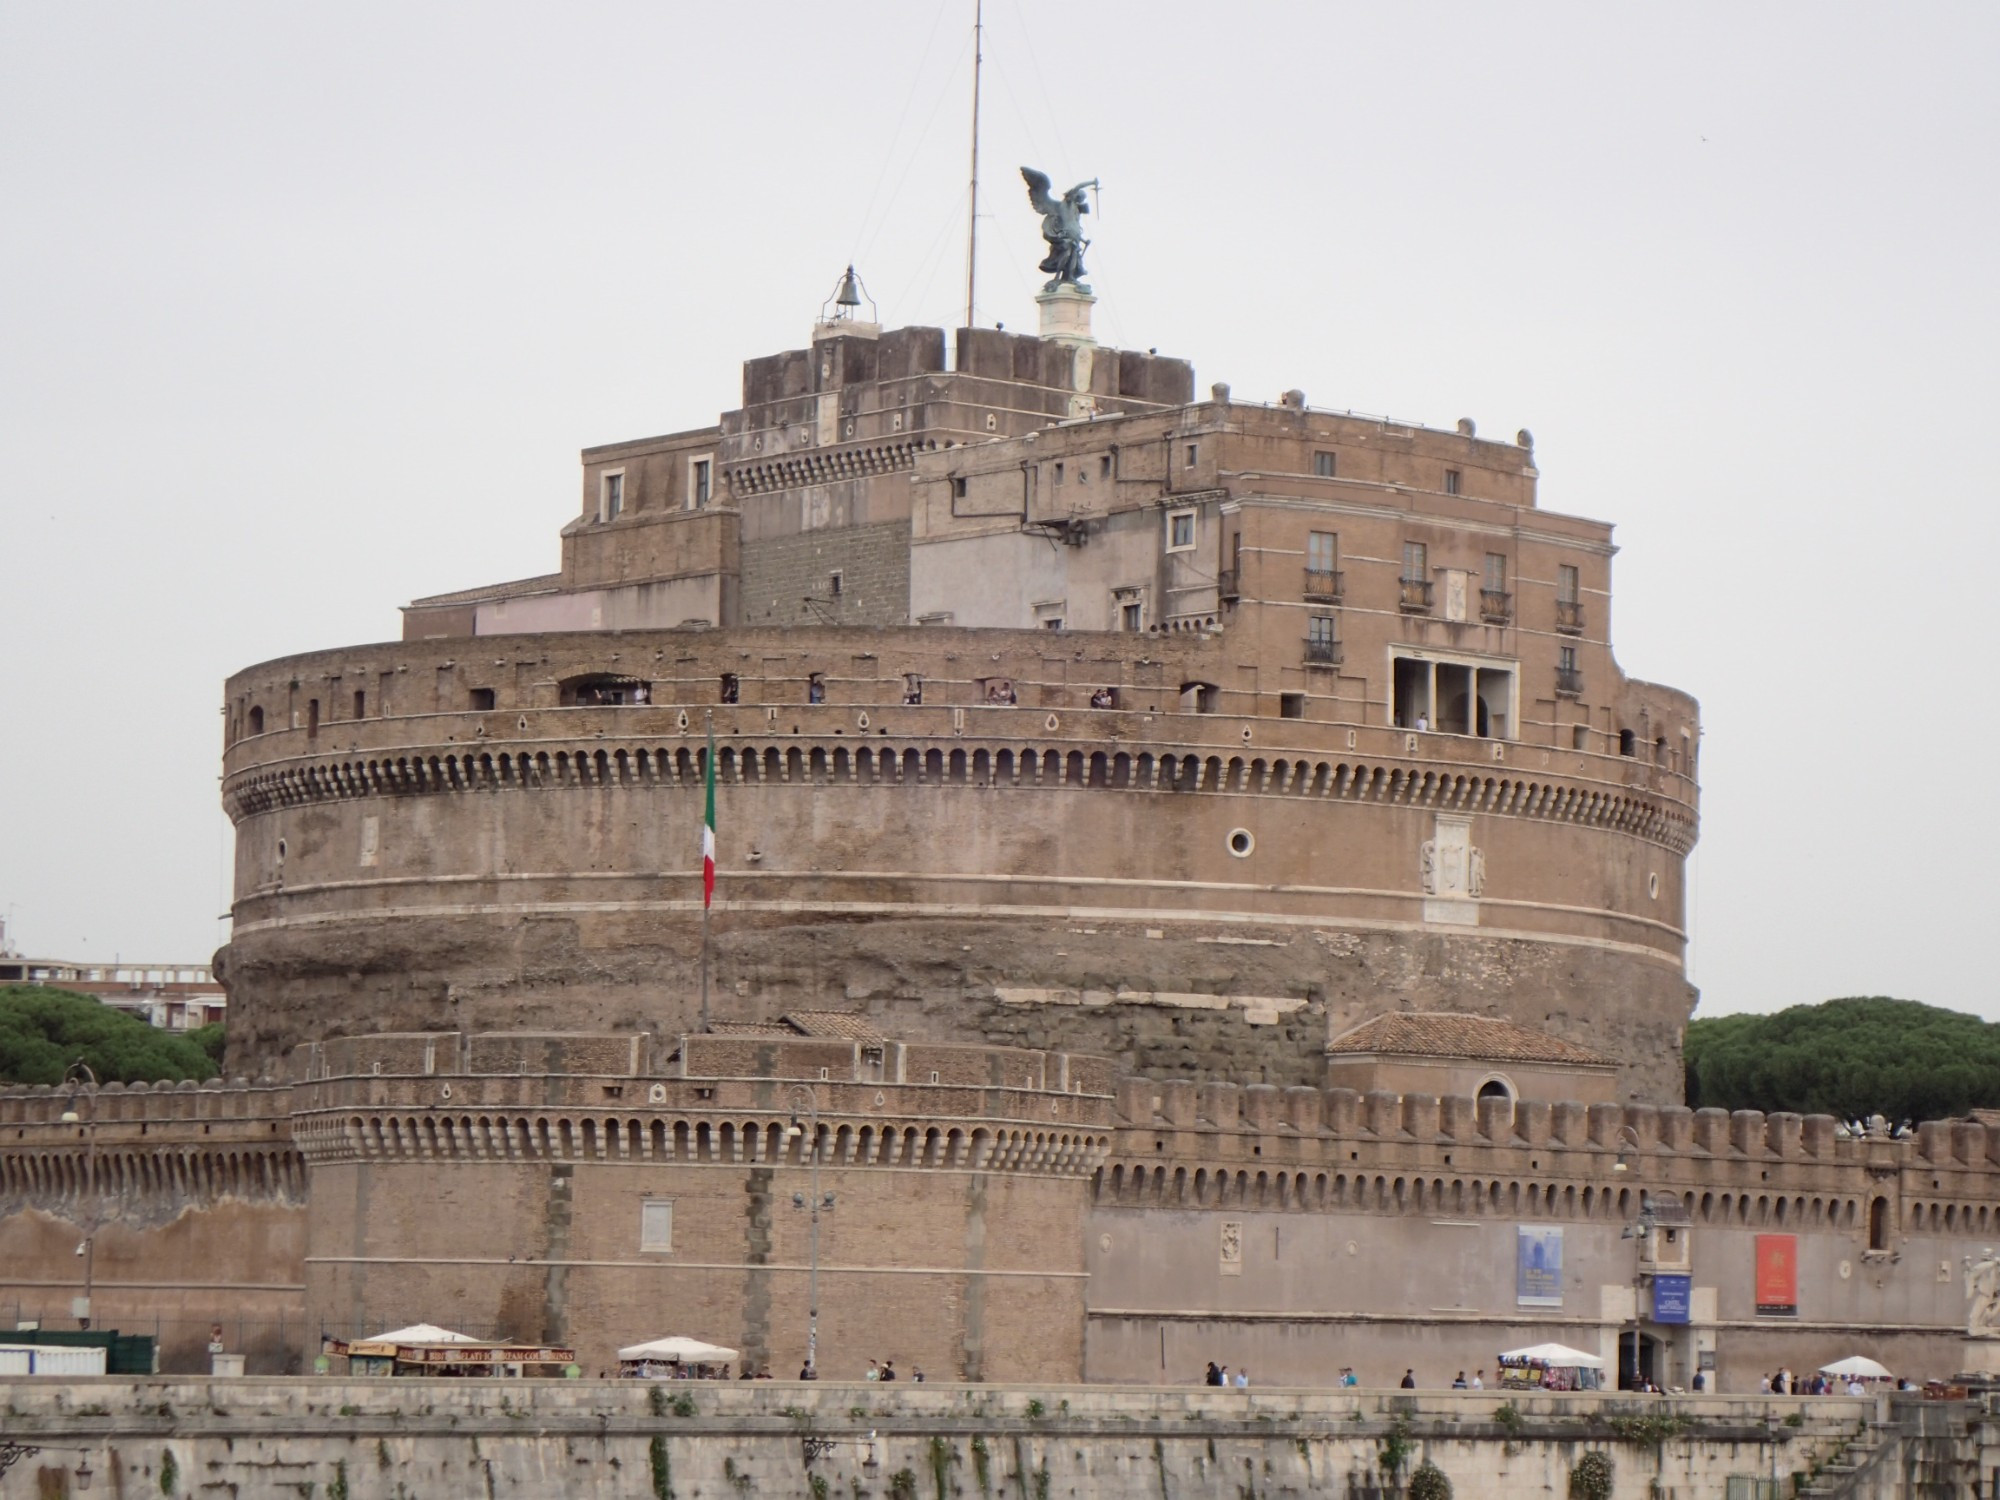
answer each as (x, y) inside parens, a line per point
(71, 1117)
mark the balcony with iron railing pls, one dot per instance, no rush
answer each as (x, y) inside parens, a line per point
(1416, 597)
(1496, 606)
(1569, 682)
(1323, 653)
(1323, 586)
(1569, 616)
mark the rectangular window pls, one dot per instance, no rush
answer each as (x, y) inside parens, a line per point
(1566, 658)
(1323, 465)
(1059, 472)
(1569, 601)
(656, 1225)
(360, 704)
(958, 488)
(1416, 563)
(1322, 552)
(1132, 617)
(1496, 605)
(1322, 648)
(834, 581)
(701, 482)
(1049, 614)
(1193, 453)
(1291, 705)
(611, 496)
(1451, 481)
(1180, 530)
(1104, 467)
(481, 699)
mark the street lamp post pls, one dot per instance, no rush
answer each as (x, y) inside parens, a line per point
(1642, 1231)
(807, 1099)
(82, 1082)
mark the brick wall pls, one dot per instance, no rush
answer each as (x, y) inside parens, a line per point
(781, 573)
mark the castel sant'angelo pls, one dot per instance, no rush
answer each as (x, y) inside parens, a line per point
(1191, 869)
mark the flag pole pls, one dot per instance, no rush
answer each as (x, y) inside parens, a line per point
(707, 859)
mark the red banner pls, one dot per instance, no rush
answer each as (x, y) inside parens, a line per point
(1777, 1276)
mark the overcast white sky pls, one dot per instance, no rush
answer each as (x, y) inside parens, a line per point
(305, 310)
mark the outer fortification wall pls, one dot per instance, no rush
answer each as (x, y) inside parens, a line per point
(1297, 1230)
(192, 1198)
(1202, 892)
(996, 1213)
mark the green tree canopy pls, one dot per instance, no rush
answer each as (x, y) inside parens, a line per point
(43, 1031)
(1852, 1058)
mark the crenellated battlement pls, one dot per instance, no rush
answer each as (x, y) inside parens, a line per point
(700, 1100)
(141, 1154)
(1259, 1146)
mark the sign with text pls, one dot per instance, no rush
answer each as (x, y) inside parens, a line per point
(1671, 1296)
(1538, 1266)
(1777, 1276)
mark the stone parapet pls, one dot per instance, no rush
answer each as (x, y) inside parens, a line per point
(370, 1438)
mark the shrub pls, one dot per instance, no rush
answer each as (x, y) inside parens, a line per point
(1591, 1478)
(1429, 1483)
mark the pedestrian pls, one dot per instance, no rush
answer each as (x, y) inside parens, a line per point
(1461, 1383)
(874, 1371)
(1763, 1385)
(888, 1369)
(1213, 1376)
(1479, 1380)
(1242, 1381)
(1409, 1380)
(1348, 1377)
(917, 1374)
(807, 1372)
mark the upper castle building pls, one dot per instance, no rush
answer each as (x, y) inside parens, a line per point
(1054, 706)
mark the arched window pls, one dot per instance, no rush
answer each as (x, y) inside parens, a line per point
(1878, 1224)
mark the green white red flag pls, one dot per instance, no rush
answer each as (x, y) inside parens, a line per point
(708, 831)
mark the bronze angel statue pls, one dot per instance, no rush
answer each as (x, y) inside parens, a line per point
(1062, 226)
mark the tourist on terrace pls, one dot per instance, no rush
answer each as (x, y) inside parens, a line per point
(1409, 1380)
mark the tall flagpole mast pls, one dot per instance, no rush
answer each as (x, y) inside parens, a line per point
(972, 225)
(707, 859)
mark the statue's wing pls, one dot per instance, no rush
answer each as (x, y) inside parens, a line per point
(1038, 191)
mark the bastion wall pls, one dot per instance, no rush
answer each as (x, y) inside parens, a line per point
(997, 1213)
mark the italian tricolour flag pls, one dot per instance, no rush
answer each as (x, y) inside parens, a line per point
(708, 831)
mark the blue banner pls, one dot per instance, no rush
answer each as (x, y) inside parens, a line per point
(1670, 1298)
(1538, 1266)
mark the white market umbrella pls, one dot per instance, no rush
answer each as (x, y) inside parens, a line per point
(421, 1333)
(687, 1351)
(1559, 1355)
(1856, 1366)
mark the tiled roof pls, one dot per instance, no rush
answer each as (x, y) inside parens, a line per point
(833, 1023)
(814, 1023)
(547, 583)
(1483, 1038)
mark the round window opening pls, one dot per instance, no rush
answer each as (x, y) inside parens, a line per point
(1240, 842)
(1653, 886)
(1495, 1088)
